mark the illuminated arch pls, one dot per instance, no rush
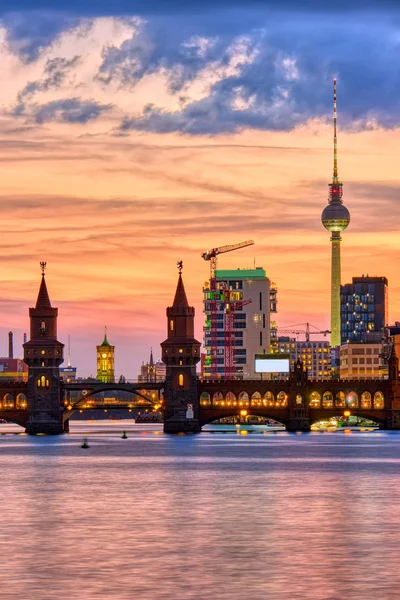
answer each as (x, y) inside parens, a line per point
(366, 400)
(181, 380)
(205, 399)
(379, 400)
(230, 399)
(352, 400)
(243, 399)
(22, 401)
(268, 399)
(217, 398)
(281, 399)
(327, 400)
(315, 400)
(340, 400)
(256, 399)
(8, 401)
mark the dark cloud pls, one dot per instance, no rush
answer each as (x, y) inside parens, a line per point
(69, 110)
(55, 71)
(283, 77)
(28, 33)
(284, 65)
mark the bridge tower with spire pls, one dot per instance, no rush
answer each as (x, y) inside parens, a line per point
(181, 353)
(43, 354)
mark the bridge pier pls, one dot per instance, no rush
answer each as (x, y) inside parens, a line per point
(181, 425)
(391, 421)
(44, 424)
(298, 424)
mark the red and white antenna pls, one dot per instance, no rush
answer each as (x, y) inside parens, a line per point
(335, 163)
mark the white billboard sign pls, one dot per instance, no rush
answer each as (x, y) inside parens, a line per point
(271, 363)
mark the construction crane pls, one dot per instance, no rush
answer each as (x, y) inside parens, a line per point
(211, 255)
(215, 299)
(306, 331)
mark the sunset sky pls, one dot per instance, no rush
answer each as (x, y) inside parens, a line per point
(135, 134)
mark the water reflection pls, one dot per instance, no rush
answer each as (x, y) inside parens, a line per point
(213, 516)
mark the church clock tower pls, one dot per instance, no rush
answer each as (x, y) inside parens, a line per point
(43, 354)
(181, 353)
(105, 360)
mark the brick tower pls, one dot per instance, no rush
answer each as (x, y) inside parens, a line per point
(181, 353)
(43, 354)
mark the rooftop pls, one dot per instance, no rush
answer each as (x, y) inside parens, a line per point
(257, 273)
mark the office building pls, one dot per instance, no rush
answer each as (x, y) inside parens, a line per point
(315, 355)
(364, 309)
(362, 361)
(13, 369)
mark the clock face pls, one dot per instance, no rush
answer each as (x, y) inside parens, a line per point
(104, 355)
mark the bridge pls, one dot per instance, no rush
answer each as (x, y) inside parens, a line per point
(45, 403)
(298, 402)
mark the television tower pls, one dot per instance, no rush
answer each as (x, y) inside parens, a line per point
(335, 218)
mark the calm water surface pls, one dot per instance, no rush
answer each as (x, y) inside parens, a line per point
(219, 516)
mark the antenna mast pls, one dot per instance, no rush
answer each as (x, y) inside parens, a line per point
(335, 162)
(69, 351)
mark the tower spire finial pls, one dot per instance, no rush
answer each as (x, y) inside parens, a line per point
(179, 264)
(43, 267)
(335, 158)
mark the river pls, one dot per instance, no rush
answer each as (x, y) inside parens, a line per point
(217, 516)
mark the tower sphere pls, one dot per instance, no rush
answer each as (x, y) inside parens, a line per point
(335, 217)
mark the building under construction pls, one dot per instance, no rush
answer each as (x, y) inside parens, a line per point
(237, 322)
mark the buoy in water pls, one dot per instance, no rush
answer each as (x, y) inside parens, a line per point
(85, 443)
(124, 436)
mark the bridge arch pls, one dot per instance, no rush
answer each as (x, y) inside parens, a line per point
(315, 400)
(340, 400)
(21, 402)
(88, 393)
(366, 400)
(205, 399)
(256, 399)
(208, 417)
(371, 415)
(8, 401)
(230, 399)
(281, 399)
(268, 399)
(352, 400)
(379, 400)
(217, 398)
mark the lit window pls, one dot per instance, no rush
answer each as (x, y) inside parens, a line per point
(43, 382)
(171, 325)
(180, 379)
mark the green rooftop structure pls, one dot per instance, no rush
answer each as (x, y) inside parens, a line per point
(257, 273)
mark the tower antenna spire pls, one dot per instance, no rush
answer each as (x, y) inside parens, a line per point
(69, 351)
(335, 158)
